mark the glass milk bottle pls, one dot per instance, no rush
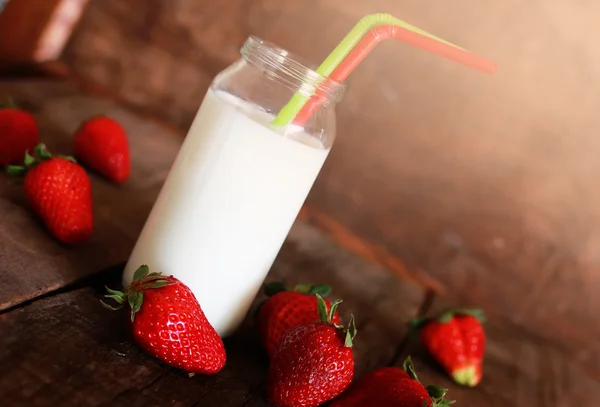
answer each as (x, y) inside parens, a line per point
(238, 182)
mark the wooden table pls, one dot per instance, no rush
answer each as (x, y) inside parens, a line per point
(59, 347)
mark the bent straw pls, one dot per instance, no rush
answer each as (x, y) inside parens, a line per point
(349, 42)
(370, 41)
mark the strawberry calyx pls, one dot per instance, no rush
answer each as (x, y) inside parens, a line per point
(41, 153)
(327, 318)
(446, 316)
(9, 104)
(276, 287)
(449, 313)
(133, 295)
(437, 394)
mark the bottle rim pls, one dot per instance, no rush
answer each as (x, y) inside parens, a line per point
(291, 69)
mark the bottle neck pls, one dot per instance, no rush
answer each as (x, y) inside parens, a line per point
(291, 71)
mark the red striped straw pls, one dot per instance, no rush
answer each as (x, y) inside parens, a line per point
(384, 32)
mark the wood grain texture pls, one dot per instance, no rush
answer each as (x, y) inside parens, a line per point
(521, 368)
(31, 262)
(82, 354)
(488, 184)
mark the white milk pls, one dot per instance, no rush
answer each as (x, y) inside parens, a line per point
(227, 206)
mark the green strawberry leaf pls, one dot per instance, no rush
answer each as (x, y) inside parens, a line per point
(303, 288)
(154, 274)
(141, 272)
(274, 288)
(158, 284)
(16, 170)
(449, 313)
(110, 307)
(118, 298)
(131, 298)
(473, 312)
(29, 160)
(417, 323)
(409, 368)
(333, 309)
(111, 291)
(445, 317)
(68, 158)
(436, 392)
(322, 308)
(137, 304)
(42, 151)
(350, 332)
(322, 289)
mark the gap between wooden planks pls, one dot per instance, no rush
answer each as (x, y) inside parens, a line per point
(83, 355)
(59, 108)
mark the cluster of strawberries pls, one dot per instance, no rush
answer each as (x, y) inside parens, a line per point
(57, 187)
(309, 350)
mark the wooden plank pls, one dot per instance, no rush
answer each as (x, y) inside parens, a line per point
(32, 263)
(68, 350)
(521, 368)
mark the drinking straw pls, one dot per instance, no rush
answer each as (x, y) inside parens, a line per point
(374, 37)
(371, 30)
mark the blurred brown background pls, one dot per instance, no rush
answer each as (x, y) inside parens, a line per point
(485, 187)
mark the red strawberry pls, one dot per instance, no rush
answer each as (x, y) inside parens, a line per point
(313, 362)
(18, 134)
(60, 193)
(168, 323)
(286, 309)
(456, 340)
(392, 387)
(101, 143)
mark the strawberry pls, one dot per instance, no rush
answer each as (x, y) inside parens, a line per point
(101, 144)
(60, 193)
(392, 387)
(313, 362)
(285, 309)
(168, 323)
(18, 134)
(456, 340)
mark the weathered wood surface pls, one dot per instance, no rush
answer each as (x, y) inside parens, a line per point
(63, 349)
(67, 350)
(31, 263)
(489, 184)
(521, 368)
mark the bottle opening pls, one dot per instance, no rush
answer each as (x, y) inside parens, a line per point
(291, 69)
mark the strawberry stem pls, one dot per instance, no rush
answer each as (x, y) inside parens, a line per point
(449, 313)
(134, 294)
(409, 368)
(327, 318)
(446, 316)
(31, 161)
